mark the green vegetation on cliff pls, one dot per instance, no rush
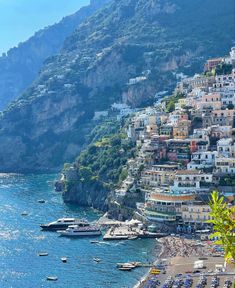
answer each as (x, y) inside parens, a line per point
(103, 161)
(227, 180)
(171, 101)
(220, 69)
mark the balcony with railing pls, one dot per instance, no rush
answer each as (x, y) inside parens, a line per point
(187, 184)
(204, 184)
(160, 216)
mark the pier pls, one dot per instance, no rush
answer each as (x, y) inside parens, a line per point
(127, 232)
(122, 232)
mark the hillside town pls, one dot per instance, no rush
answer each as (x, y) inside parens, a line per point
(186, 149)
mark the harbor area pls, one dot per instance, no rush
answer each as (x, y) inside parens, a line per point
(128, 230)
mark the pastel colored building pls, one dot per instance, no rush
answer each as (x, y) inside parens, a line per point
(166, 207)
(212, 63)
(178, 150)
(159, 175)
(197, 212)
(181, 131)
(219, 117)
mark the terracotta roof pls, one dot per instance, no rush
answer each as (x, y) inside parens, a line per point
(215, 59)
(173, 197)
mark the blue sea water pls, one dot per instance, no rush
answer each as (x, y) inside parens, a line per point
(21, 240)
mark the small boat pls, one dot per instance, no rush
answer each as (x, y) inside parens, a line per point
(41, 201)
(94, 242)
(136, 264)
(24, 213)
(63, 259)
(125, 268)
(52, 278)
(126, 265)
(97, 260)
(43, 254)
(132, 237)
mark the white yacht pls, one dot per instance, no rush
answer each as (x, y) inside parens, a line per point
(78, 231)
(64, 223)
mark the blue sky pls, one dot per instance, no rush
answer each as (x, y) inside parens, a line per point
(19, 19)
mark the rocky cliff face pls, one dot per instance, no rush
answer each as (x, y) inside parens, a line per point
(126, 40)
(87, 196)
(22, 64)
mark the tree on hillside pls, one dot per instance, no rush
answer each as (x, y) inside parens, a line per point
(223, 220)
(223, 68)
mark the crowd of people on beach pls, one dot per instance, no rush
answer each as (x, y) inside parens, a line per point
(175, 246)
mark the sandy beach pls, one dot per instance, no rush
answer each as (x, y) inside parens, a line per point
(175, 246)
(179, 254)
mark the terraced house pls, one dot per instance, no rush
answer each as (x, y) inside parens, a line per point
(190, 158)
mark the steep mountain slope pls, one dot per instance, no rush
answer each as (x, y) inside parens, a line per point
(125, 39)
(21, 65)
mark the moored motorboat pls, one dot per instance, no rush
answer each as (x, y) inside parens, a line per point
(132, 237)
(64, 223)
(24, 213)
(125, 268)
(41, 201)
(52, 278)
(78, 231)
(96, 260)
(130, 265)
(42, 254)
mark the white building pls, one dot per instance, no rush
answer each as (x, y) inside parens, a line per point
(119, 106)
(201, 133)
(231, 58)
(201, 160)
(225, 165)
(188, 181)
(133, 81)
(225, 80)
(228, 97)
(100, 114)
(226, 147)
(173, 119)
